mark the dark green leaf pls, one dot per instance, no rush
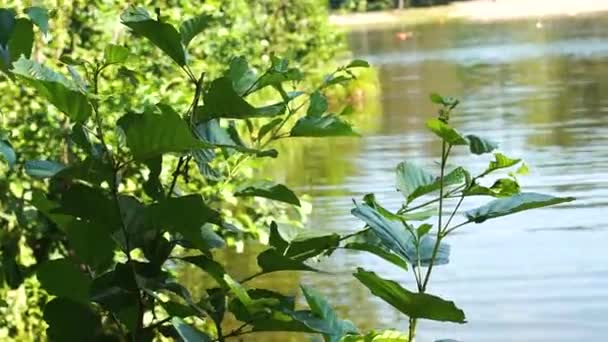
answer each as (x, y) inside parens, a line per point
(175, 309)
(91, 170)
(42, 168)
(318, 104)
(302, 248)
(22, 40)
(223, 101)
(414, 305)
(189, 333)
(7, 25)
(92, 243)
(277, 192)
(63, 278)
(163, 35)
(192, 27)
(447, 133)
(377, 251)
(115, 54)
(6, 150)
(70, 321)
(320, 307)
(272, 261)
(153, 186)
(40, 17)
(479, 145)
(322, 126)
(212, 267)
(149, 135)
(55, 88)
(358, 63)
(510, 205)
(89, 203)
(268, 127)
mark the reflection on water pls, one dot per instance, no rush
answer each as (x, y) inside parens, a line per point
(541, 93)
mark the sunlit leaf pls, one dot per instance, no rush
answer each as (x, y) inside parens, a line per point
(163, 35)
(115, 54)
(447, 133)
(411, 304)
(500, 162)
(149, 135)
(510, 205)
(55, 88)
(413, 181)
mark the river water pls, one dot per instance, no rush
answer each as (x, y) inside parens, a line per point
(541, 90)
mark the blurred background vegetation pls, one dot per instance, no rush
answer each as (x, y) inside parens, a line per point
(296, 29)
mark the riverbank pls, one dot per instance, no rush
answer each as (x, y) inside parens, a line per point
(476, 10)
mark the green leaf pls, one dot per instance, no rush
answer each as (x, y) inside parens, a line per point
(272, 261)
(320, 307)
(223, 101)
(318, 104)
(358, 63)
(194, 26)
(378, 251)
(189, 333)
(411, 304)
(302, 248)
(398, 239)
(149, 135)
(413, 181)
(378, 336)
(212, 267)
(277, 192)
(7, 151)
(322, 126)
(7, 25)
(503, 187)
(437, 99)
(243, 77)
(42, 168)
(115, 54)
(40, 17)
(423, 229)
(91, 204)
(479, 145)
(63, 278)
(163, 35)
(447, 133)
(268, 127)
(22, 40)
(510, 205)
(92, 243)
(71, 321)
(500, 162)
(55, 88)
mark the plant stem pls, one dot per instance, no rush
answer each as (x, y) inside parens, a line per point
(412, 330)
(445, 151)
